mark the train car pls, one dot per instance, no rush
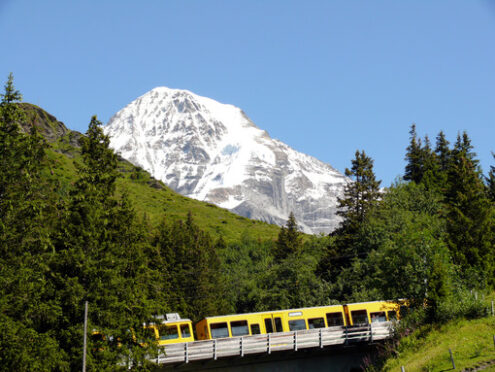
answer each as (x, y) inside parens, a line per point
(270, 322)
(172, 329)
(364, 313)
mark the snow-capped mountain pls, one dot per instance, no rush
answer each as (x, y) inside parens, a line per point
(211, 151)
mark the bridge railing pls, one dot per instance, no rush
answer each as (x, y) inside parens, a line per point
(272, 342)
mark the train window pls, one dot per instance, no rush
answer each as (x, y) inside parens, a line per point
(278, 325)
(392, 315)
(167, 332)
(403, 311)
(239, 328)
(268, 325)
(255, 329)
(335, 319)
(359, 317)
(185, 331)
(378, 317)
(297, 325)
(316, 323)
(219, 330)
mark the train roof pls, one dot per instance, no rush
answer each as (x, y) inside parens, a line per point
(303, 308)
(273, 311)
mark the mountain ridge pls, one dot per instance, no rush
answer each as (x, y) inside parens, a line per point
(213, 152)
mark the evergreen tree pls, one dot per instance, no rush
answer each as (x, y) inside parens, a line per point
(429, 166)
(491, 182)
(102, 258)
(442, 150)
(289, 240)
(469, 215)
(360, 196)
(24, 245)
(443, 153)
(195, 281)
(414, 157)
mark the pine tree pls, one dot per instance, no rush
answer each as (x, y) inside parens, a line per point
(414, 157)
(429, 166)
(195, 281)
(25, 245)
(442, 150)
(470, 214)
(361, 195)
(103, 258)
(289, 240)
(491, 182)
(443, 155)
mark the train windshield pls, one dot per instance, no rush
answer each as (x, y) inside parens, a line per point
(168, 332)
(185, 331)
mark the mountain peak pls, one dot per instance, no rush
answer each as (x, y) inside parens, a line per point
(212, 151)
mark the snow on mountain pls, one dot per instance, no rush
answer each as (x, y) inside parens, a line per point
(211, 151)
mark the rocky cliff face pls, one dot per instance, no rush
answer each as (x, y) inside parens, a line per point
(213, 152)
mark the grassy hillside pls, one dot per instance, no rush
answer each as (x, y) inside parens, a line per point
(427, 349)
(151, 197)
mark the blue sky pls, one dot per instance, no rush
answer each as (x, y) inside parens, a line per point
(325, 77)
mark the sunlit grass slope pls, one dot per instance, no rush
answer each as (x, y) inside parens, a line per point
(150, 197)
(471, 342)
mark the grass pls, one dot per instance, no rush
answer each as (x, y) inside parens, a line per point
(427, 349)
(157, 201)
(150, 197)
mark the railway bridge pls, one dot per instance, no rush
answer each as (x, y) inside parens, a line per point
(322, 349)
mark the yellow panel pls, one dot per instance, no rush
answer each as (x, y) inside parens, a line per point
(371, 307)
(259, 318)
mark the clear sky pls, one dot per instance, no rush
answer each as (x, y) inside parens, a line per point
(325, 77)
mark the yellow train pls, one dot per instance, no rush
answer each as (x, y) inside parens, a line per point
(296, 319)
(170, 329)
(173, 329)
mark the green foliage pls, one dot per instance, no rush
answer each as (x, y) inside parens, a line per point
(408, 257)
(414, 157)
(292, 283)
(427, 348)
(443, 156)
(24, 244)
(195, 284)
(470, 214)
(360, 197)
(289, 240)
(103, 257)
(491, 182)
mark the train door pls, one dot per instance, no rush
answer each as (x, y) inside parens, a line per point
(273, 323)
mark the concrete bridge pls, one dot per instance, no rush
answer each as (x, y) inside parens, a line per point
(323, 349)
